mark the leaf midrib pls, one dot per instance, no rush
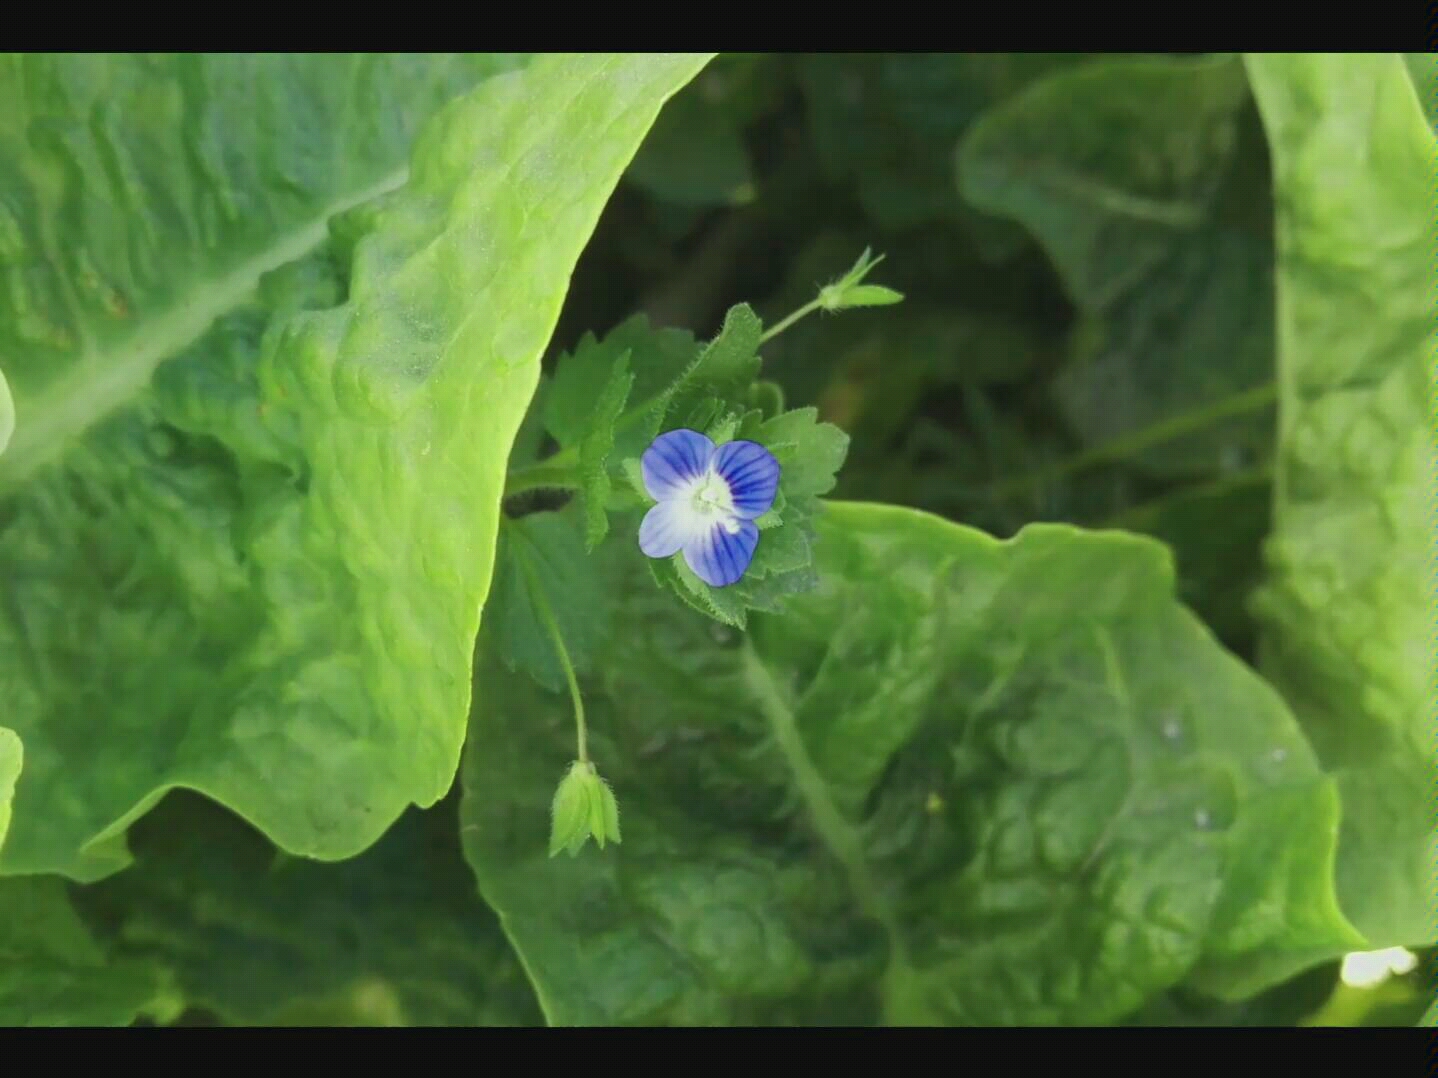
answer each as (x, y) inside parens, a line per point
(839, 836)
(104, 381)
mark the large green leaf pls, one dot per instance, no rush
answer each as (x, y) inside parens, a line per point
(1144, 179)
(141, 197)
(964, 781)
(259, 573)
(396, 936)
(1348, 610)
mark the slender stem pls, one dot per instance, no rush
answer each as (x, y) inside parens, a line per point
(779, 327)
(1230, 407)
(552, 473)
(552, 626)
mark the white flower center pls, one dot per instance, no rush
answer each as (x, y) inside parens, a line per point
(711, 498)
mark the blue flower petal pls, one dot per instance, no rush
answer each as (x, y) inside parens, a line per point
(752, 474)
(673, 461)
(667, 528)
(719, 556)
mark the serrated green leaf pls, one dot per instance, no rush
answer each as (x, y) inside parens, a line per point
(394, 937)
(809, 451)
(725, 368)
(266, 567)
(595, 448)
(962, 782)
(1347, 612)
(657, 359)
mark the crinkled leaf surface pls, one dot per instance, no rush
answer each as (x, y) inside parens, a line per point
(395, 936)
(1138, 176)
(1348, 608)
(963, 781)
(259, 574)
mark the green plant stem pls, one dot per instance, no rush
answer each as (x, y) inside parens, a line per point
(553, 473)
(780, 326)
(1239, 404)
(546, 615)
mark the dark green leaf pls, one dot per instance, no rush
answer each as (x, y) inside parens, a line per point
(962, 782)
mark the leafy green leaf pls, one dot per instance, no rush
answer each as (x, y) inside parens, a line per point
(55, 973)
(265, 570)
(1137, 176)
(1348, 617)
(396, 936)
(1216, 531)
(962, 781)
(595, 449)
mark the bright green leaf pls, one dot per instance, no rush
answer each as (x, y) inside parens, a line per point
(1347, 612)
(260, 573)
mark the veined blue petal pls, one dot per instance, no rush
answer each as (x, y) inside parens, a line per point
(669, 526)
(719, 556)
(674, 462)
(752, 474)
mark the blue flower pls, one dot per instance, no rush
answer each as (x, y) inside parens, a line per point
(708, 499)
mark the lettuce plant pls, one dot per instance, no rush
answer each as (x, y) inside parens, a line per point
(417, 468)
